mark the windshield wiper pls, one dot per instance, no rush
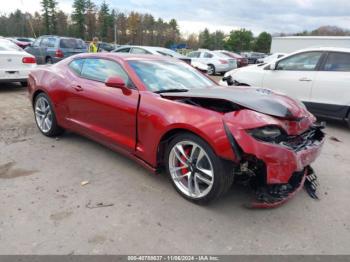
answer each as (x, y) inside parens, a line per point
(174, 90)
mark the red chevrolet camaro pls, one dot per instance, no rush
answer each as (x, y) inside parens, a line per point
(168, 115)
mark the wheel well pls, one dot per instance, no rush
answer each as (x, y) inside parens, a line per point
(36, 93)
(166, 138)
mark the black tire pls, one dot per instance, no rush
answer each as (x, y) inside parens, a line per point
(49, 60)
(55, 129)
(24, 84)
(211, 70)
(223, 170)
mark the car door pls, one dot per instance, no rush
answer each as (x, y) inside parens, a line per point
(206, 58)
(104, 113)
(294, 75)
(331, 90)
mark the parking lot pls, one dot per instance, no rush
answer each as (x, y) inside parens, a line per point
(125, 209)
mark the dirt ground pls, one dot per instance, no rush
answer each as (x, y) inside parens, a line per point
(45, 210)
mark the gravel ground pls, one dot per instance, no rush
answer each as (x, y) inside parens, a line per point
(45, 210)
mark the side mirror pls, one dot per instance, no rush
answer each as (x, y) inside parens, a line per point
(118, 82)
(273, 66)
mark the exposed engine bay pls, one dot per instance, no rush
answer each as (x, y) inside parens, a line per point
(218, 105)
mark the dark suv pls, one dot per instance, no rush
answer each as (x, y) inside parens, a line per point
(50, 49)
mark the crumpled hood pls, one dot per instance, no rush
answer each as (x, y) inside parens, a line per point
(258, 99)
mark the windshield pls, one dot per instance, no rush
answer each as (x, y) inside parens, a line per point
(168, 75)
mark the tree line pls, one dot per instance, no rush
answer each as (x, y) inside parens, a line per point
(88, 20)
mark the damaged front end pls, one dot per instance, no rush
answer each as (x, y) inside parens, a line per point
(274, 163)
(274, 139)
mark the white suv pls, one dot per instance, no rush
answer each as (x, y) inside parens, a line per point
(216, 61)
(320, 77)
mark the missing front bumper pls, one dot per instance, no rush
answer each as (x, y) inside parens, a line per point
(271, 196)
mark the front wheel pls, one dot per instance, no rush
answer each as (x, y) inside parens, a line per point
(45, 117)
(196, 172)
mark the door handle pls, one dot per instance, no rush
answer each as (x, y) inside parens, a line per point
(78, 88)
(305, 79)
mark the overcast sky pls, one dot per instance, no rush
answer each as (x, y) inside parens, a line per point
(194, 15)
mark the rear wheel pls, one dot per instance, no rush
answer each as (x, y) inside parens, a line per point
(196, 172)
(49, 60)
(211, 70)
(45, 117)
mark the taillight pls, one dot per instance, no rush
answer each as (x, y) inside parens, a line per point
(28, 60)
(223, 61)
(59, 53)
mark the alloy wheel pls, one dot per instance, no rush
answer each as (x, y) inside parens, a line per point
(43, 114)
(191, 169)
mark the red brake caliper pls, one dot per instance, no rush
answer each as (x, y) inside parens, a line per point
(185, 170)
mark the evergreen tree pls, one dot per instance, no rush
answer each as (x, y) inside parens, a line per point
(78, 17)
(104, 20)
(46, 15)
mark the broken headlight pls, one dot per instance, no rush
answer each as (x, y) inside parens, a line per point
(266, 133)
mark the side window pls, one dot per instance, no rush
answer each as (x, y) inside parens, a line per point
(76, 65)
(207, 55)
(51, 42)
(124, 50)
(44, 42)
(136, 50)
(300, 62)
(37, 42)
(101, 69)
(337, 62)
(194, 54)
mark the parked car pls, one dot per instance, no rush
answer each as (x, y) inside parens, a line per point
(216, 61)
(319, 77)
(49, 49)
(106, 47)
(253, 56)
(151, 50)
(15, 63)
(22, 42)
(241, 61)
(165, 114)
(161, 51)
(270, 58)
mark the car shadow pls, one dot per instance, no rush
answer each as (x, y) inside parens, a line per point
(11, 88)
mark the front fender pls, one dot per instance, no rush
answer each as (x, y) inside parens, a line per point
(158, 116)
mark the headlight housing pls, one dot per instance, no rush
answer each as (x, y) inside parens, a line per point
(267, 133)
